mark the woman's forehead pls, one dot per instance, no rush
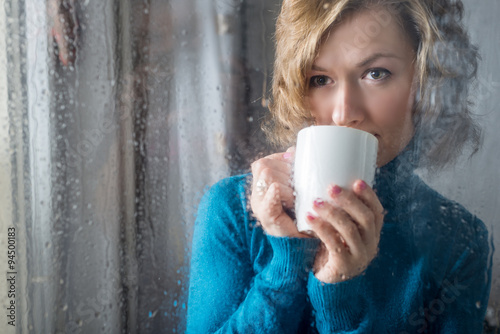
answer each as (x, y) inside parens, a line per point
(363, 34)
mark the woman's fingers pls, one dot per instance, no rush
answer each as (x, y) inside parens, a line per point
(264, 176)
(274, 219)
(348, 224)
(336, 229)
(352, 215)
(272, 193)
(279, 161)
(269, 211)
(360, 213)
(282, 195)
(370, 199)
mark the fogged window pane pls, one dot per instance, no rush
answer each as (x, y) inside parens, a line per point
(117, 116)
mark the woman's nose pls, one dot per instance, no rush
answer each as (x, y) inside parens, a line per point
(348, 106)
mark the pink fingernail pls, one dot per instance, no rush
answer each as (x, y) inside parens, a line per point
(362, 185)
(335, 190)
(310, 217)
(318, 202)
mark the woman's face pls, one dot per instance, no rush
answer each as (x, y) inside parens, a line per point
(363, 78)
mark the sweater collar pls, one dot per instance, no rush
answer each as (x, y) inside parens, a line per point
(395, 180)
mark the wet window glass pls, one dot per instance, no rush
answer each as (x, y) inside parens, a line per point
(140, 166)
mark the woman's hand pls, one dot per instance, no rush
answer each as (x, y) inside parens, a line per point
(349, 228)
(272, 194)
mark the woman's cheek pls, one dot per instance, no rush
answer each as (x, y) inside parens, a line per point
(320, 108)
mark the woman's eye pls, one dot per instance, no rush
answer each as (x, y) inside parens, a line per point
(320, 80)
(378, 74)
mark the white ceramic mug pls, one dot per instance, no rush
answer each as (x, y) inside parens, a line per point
(328, 155)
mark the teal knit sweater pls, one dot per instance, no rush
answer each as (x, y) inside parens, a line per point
(432, 273)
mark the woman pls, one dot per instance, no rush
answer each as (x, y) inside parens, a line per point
(398, 258)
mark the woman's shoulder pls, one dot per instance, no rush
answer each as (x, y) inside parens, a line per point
(225, 202)
(230, 185)
(223, 215)
(229, 192)
(448, 216)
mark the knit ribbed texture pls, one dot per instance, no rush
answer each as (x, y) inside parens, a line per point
(342, 303)
(292, 260)
(433, 256)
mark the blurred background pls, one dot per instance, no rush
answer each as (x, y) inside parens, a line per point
(115, 117)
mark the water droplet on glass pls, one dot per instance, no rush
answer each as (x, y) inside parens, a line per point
(264, 102)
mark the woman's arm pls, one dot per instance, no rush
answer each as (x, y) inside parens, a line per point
(225, 294)
(341, 307)
(349, 225)
(460, 306)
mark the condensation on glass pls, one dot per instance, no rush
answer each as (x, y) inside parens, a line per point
(114, 118)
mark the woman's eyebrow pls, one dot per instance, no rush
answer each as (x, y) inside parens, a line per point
(370, 59)
(365, 62)
(319, 69)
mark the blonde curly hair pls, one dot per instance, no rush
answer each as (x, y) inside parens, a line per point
(446, 63)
